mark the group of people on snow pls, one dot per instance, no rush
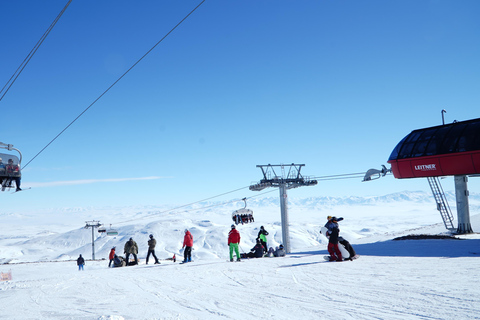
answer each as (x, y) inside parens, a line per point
(131, 248)
(8, 173)
(258, 251)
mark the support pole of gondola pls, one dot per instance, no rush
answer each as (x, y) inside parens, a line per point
(93, 224)
(284, 216)
(463, 212)
(443, 118)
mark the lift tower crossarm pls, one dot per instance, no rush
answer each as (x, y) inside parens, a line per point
(293, 179)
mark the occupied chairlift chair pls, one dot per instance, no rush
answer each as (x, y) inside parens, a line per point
(5, 177)
(237, 214)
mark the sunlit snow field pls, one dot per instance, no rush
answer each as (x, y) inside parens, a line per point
(408, 279)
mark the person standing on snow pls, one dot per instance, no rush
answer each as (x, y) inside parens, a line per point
(333, 231)
(233, 242)
(80, 262)
(187, 244)
(131, 247)
(151, 249)
(341, 240)
(111, 256)
(262, 235)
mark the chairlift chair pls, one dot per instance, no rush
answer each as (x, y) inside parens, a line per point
(112, 232)
(6, 178)
(241, 211)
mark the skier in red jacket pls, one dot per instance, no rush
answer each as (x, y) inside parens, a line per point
(111, 256)
(187, 244)
(233, 242)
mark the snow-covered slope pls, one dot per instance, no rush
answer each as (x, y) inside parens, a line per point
(409, 279)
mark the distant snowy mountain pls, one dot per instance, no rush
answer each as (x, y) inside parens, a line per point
(60, 233)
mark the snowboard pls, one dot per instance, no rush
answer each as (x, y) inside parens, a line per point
(348, 259)
(345, 253)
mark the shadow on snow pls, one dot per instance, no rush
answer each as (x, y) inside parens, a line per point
(448, 248)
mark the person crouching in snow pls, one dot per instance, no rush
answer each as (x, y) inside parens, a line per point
(279, 252)
(335, 254)
(233, 242)
(257, 250)
(187, 244)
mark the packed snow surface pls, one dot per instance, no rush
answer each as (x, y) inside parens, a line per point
(392, 279)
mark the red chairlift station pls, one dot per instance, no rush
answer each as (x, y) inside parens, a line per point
(446, 150)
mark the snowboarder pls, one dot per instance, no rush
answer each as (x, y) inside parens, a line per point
(151, 249)
(80, 262)
(233, 242)
(131, 247)
(111, 256)
(342, 240)
(187, 244)
(256, 251)
(333, 231)
(262, 235)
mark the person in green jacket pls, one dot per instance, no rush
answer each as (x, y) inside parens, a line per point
(262, 235)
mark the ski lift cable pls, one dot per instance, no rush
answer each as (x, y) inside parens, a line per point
(340, 175)
(22, 66)
(108, 89)
(331, 177)
(189, 204)
(202, 208)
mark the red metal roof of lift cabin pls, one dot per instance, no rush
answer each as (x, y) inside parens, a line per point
(450, 149)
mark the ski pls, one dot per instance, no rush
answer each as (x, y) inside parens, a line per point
(21, 190)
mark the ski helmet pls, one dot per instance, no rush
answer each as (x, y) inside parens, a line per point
(233, 226)
(151, 236)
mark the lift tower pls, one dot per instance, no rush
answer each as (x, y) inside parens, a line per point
(292, 179)
(93, 224)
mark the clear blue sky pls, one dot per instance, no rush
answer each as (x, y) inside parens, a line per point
(334, 85)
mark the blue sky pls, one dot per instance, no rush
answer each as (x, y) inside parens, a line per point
(334, 85)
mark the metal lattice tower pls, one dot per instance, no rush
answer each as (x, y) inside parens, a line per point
(292, 179)
(93, 224)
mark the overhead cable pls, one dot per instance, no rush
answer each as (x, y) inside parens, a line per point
(151, 49)
(22, 66)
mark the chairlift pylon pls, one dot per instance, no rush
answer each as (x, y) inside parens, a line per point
(243, 215)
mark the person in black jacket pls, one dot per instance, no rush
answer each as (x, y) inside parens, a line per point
(80, 262)
(335, 254)
(256, 251)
